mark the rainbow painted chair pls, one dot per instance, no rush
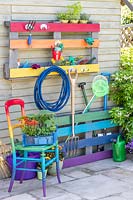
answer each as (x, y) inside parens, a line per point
(41, 150)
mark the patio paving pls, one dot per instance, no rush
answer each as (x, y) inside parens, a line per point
(105, 179)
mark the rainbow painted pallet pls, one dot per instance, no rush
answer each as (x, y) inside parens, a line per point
(11, 70)
(91, 121)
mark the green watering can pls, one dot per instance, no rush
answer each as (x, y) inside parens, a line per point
(119, 149)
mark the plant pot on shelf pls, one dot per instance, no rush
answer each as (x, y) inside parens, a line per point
(64, 21)
(74, 21)
(52, 168)
(83, 21)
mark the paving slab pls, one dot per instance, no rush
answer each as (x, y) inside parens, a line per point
(101, 180)
(22, 197)
(94, 187)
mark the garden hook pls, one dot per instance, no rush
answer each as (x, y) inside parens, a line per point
(29, 27)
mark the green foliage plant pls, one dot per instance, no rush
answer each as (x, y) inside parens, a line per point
(121, 93)
(72, 12)
(127, 14)
(84, 16)
(41, 124)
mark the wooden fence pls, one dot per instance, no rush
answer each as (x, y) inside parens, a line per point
(127, 35)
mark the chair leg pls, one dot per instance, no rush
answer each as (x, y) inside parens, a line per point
(44, 183)
(57, 164)
(43, 174)
(23, 172)
(58, 172)
(12, 179)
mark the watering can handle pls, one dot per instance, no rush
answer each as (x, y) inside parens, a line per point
(119, 138)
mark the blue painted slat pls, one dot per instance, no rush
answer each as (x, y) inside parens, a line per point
(82, 128)
(93, 141)
(96, 140)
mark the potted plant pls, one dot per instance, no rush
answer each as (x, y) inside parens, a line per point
(63, 17)
(74, 11)
(84, 18)
(121, 93)
(52, 167)
(39, 129)
(39, 172)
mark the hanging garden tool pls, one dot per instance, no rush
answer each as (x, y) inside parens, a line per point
(89, 40)
(82, 86)
(29, 27)
(72, 141)
(100, 88)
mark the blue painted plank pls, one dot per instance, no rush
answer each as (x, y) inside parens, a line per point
(96, 140)
(82, 128)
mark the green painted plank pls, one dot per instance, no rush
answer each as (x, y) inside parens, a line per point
(80, 118)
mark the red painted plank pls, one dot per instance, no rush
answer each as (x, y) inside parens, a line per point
(55, 27)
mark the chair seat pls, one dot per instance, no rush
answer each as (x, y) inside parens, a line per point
(34, 148)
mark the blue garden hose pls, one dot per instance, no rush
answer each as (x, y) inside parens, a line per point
(64, 93)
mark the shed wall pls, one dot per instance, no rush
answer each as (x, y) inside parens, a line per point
(105, 12)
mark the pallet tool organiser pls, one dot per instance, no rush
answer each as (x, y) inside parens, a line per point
(87, 122)
(92, 121)
(16, 27)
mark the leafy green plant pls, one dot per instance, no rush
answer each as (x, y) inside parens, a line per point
(84, 16)
(63, 16)
(121, 93)
(72, 12)
(39, 124)
(127, 15)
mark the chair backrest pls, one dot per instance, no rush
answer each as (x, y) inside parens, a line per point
(8, 104)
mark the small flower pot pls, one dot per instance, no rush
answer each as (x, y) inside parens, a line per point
(39, 174)
(65, 21)
(83, 21)
(74, 21)
(52, 168)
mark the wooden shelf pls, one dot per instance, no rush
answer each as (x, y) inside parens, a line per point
(55, 27)
(29, 72)
(78, 43)
(17, 43)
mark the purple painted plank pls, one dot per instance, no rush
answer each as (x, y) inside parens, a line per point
(71, 162)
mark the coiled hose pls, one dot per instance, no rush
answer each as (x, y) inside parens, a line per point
(64, 93)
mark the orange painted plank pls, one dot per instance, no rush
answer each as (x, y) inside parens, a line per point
(79, 43)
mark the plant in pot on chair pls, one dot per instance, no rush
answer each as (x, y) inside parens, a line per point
(38, 129)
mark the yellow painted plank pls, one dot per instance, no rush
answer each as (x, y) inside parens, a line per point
(29, 72)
